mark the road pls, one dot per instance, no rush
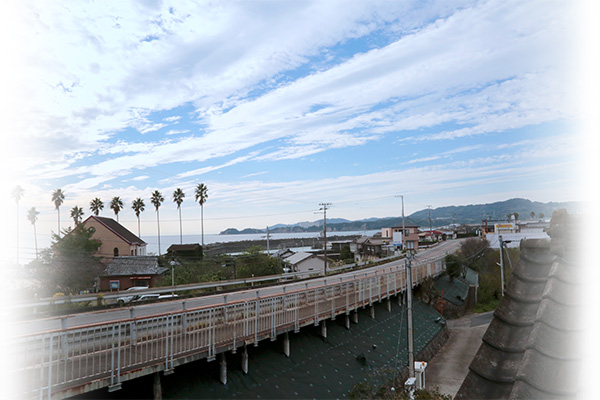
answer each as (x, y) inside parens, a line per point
(449, 367)
(76, 320)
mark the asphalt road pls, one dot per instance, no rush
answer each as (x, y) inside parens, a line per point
(76, 320)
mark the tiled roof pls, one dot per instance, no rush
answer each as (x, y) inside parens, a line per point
(184, 247)
(530, 348)
(118, 229)
(298, 257)
(134, 265)
(455, 291)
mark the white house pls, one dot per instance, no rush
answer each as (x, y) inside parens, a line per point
(304, 262)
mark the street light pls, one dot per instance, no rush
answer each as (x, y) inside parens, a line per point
(172, 262)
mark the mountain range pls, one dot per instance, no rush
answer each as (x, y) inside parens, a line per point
(441, 216)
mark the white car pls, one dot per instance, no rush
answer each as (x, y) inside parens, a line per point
(128, 299)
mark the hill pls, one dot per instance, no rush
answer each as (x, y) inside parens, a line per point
(441, 216)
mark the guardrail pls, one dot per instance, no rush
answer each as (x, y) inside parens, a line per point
(160, 290)
(52, 363)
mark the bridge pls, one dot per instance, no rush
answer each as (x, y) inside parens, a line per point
(80, 356)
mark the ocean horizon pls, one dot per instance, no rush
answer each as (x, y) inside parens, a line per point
(168, 240)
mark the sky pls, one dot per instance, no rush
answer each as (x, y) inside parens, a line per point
(278, 106)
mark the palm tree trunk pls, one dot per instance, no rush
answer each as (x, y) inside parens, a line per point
(158, 224)
(140, 236)
(58, 211)
(35, 240)
(202, 224)
(17, 233)
(180, 234)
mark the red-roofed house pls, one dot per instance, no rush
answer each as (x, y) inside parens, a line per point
(116, 239)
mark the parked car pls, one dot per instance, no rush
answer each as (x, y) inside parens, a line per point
(145, 297)
(129, 298)
(167, 296)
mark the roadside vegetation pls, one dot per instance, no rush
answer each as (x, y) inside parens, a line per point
(475, 253)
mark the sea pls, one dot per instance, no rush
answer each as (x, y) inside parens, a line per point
(168, 240)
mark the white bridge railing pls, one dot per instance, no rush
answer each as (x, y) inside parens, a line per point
(54, 364)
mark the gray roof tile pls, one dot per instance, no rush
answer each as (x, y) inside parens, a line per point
(134, 265)
(531, 348)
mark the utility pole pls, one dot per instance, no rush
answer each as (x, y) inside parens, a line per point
(430, 227)
(403, 229)
(268, 236)
(501, 263)
(323, 208)
(411, 356)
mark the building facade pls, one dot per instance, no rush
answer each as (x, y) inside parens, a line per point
(411, 236)
(116, 240)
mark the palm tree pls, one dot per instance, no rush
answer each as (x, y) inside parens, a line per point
(96, 206)
(76, 214)
(116, 204)
(178, 196)
(156, 199)
(138, 206)
(532, 214)
(201, 197)
(58, 196)
(32, 217)
(17, 193)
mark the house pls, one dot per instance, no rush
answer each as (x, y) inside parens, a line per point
(304, 262)
(283, 253)
(369, 248)
(531, 349)
(125, 272)
(116, 239)
(189, 251)
(411, 236)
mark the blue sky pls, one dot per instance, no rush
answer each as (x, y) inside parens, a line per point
(278, 106)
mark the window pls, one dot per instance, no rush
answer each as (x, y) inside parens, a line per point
(116, 252)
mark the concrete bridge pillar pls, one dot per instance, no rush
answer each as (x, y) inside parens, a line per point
(223, 368)
(347, 322)
(245, 360)
(286, 344)
(388, 303)
(372, 311)
(157, 387)
(355, 316)
(324, 329)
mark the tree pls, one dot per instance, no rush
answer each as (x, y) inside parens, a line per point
(76, 214)
(178, 196)
(17, 194)
(509, 216)
(532, 214)
(58, 197)
(454, 267)
(346, 254)
(70, 264)
(96, 206)
(32, 217)
(541, 215)
(201, 197)
(138, 207)
(516, 216)
(256, 263)
(156, 199)
(472, 250)
(116, 204)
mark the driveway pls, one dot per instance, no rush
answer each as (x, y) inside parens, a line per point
(450, 365)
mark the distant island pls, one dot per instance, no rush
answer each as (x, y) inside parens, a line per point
(442, 216)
